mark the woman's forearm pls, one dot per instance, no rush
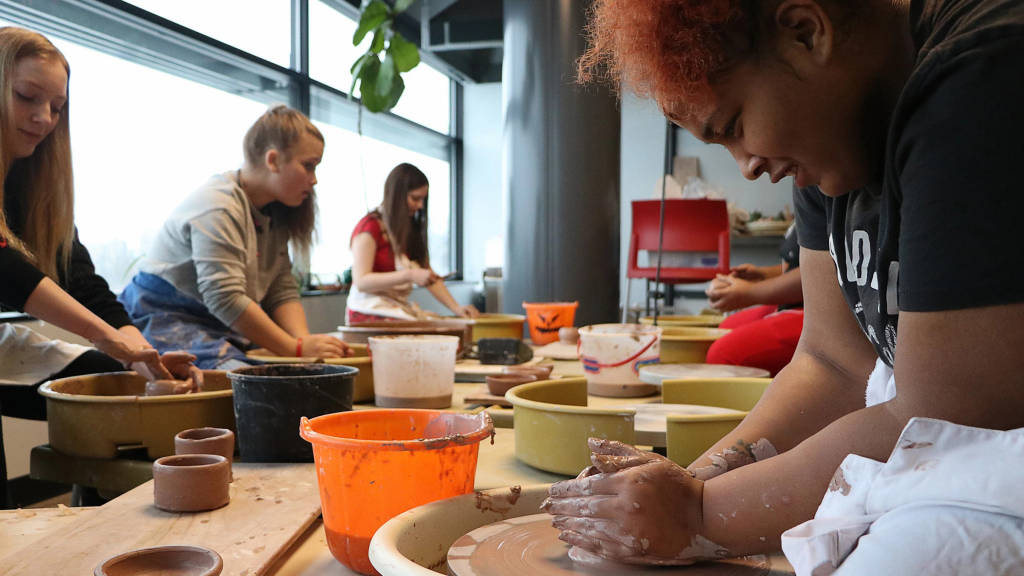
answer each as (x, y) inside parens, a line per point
(747, 509)
(806, 396)
(291, 317)
(440, 291)
(50, 303)
(255, 325)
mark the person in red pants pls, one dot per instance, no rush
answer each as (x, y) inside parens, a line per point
(765, 333)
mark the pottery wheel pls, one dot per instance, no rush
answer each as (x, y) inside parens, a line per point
(655, 373)
(530, 545)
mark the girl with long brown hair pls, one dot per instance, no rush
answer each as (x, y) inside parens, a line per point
(390, 255)
(218, 279)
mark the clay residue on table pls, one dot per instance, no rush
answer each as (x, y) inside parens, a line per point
(839, 483)
(501, 502)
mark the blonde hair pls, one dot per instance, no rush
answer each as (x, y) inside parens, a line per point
(280, 128)
(43, 180)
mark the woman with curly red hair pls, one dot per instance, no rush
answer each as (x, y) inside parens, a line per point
(905, 114)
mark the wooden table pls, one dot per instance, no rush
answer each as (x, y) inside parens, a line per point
(27, 532)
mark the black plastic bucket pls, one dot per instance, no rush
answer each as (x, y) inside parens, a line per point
(270, 400)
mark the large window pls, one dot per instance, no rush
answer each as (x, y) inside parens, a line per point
(155, 112)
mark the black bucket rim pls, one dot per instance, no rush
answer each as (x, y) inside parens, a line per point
(328, 371)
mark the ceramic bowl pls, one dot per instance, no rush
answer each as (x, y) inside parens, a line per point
(220, 441)
(541, 371)
(191, 482)
(163, 560)
(499, 384)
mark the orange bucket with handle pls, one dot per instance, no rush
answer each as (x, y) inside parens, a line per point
(372, 465)
(545, 318)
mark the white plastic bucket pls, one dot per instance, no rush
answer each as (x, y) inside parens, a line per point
(612, 355)
(413, 371)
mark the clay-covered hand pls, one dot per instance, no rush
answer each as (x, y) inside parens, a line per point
(143, 359)
(748, 272)
(468, 311)
(422, 276)
(324, 346)
(642, 509)
(180, 364)
(730, 293)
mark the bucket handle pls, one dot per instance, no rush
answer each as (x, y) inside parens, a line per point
(593, 365)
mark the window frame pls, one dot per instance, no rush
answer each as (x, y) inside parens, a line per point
(126, 31)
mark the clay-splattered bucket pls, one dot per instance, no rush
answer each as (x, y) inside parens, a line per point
(374, 464)
(612, 355)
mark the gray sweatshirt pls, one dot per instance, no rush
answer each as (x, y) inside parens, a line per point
(217, 248)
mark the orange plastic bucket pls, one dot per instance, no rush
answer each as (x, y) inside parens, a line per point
(372, 465)
(545, 318)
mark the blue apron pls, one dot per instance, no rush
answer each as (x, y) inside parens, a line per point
(171, 320)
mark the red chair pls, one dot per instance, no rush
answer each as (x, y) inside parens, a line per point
(700, 225)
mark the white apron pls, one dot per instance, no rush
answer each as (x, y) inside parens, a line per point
(27, 357)
(948, 501)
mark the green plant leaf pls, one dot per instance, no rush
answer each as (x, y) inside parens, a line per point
(368, 85)
(402, 5)
(380, 36)
(373, 15)
(386, 77)
(405, 53)
(397, 87)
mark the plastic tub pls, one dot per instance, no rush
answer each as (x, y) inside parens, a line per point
(413, 371)
(362, 388)
(545, 318)
(92, 416)
(270, 400)
(688, 345)
(374, 464)
(612, 355)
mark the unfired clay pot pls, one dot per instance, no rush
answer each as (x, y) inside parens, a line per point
(220, 441)
(542, 372)
(191, 482)
(499, 384)
(165, 560)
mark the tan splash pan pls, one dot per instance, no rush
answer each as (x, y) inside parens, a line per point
(687, 345)
(700, 320)
(498, 326)
(91, 416)
(553, 419)
(362, 387)
(552, 422)
(687, 437)
(415, 543)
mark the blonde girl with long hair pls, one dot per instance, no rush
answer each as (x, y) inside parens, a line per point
(47, 272)
(218, 279)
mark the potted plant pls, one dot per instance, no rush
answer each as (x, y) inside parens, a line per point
(378, 72)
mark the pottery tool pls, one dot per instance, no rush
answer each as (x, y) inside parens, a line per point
(530, 545)
(271, 505)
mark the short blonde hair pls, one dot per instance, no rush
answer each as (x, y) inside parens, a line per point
(43, 180)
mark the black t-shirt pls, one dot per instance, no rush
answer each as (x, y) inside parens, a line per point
(789, 250)
(938, 232)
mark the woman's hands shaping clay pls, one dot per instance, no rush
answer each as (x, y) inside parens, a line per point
(633, 507)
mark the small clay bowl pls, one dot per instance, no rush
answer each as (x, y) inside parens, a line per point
(499, 384)
(165, 560)
(191, 482)
(542, 372)
(219, 441)
(568, 335)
